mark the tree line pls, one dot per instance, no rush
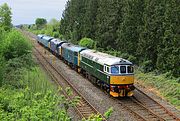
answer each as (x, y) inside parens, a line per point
(146, 30)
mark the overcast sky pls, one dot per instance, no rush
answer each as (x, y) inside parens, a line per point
(26, 11)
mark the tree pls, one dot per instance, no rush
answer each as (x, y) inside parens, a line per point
(129, 29)
(89, 19)
(169, 48)
(5, 17)
(55, 24)
(40, 22)
(108, 20)
(14, 45)
(152, 31)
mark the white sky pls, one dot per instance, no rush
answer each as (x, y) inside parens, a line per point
(26, 11)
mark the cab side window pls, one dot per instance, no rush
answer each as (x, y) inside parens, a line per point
(106, 69)
(130, 69)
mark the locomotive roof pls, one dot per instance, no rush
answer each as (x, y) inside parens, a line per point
(63, 42)
(72, 47)
(56, 41)
(40, 35)
(47, 37)
(103, 58)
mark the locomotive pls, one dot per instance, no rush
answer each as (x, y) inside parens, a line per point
(113, 74)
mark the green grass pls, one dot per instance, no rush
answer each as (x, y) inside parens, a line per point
(168, 87)
(38, 81)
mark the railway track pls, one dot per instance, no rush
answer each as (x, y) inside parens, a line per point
(84, 108)
(146, 108)
(155, 106)
(139, 110)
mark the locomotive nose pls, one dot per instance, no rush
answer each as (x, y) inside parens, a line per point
(122, 79)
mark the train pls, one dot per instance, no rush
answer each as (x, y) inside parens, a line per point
(113, 74)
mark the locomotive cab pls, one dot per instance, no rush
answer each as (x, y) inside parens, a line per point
(121, 79)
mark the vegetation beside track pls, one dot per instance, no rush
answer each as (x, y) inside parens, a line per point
(25, 91)
(167, 87)
(38, 100)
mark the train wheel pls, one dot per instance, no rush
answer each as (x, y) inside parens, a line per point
(107, 90)
(83, 72)
(101, 86)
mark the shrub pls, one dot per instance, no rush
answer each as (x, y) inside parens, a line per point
(14, 69)
(124, 55)
(61, 36)
(15, 45)
(56, 34)
(2, 67)
(25, 105)
(168, 87)
(49, 32)
(108, 113)
(42, 31)
(147, 66)
(133, 59)
(178, 80)
(87, 42)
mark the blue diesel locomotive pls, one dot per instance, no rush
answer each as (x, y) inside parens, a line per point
(44, 40)
(71, 54)
(55, 46)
